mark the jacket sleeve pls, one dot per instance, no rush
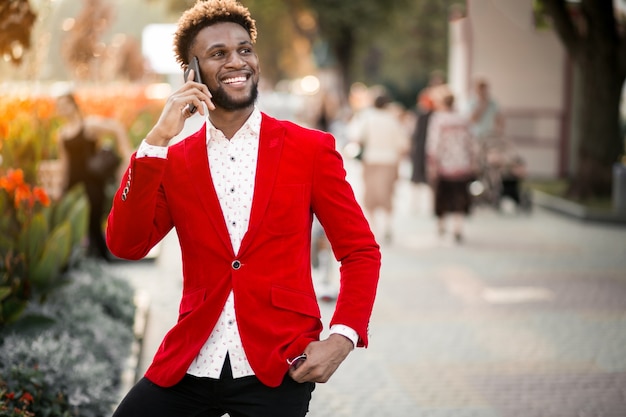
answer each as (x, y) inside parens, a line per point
(139, 216)
(351, 239)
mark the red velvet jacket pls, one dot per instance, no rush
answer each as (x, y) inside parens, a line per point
(298, 173)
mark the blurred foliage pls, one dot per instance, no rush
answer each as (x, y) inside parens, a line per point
(397, 43)
(16, 24)
(71, 366)
(26, 126)
(37, 241)
(28, 123)
(83, 40)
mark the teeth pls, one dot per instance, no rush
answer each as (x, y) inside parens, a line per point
(234, 80)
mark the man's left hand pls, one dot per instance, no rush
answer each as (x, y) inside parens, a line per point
(322, 359)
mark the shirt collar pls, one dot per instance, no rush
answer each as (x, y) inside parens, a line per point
(253, 124)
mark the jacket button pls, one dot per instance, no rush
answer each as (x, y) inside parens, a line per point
(236, 264)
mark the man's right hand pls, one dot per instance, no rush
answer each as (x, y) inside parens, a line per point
(176, 111)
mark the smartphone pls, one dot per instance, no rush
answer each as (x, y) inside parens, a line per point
(195, 66)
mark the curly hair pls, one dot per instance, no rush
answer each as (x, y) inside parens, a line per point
(206, 13)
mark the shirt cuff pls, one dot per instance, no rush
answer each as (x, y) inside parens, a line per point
(346, 331)
(152, 151)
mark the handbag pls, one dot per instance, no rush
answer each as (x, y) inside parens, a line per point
(103, 164)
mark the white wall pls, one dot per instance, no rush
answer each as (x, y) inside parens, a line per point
(525, 68)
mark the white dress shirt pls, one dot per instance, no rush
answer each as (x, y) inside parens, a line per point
(233, 167)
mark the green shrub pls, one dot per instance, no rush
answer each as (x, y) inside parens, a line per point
(70, 363)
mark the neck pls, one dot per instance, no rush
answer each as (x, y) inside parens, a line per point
(230, 121)
(74, 120)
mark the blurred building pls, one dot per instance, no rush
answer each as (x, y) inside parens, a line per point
(529, 74)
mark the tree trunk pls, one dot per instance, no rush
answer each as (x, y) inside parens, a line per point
(599, 123)
(589, 32)
(344, 50)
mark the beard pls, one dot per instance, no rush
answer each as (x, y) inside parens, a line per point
(222, 100)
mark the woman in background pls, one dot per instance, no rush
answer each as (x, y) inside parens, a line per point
(451, 159)
(80, 139)
(385, 141)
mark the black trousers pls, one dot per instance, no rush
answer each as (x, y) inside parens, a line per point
(208, 397)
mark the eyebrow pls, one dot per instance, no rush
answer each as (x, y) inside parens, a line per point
(222, 45)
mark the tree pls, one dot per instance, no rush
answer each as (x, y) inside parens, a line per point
(596, 42)
(83, 45)
(344, 24)
(16, 24)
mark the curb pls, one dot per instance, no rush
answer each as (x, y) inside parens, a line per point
(130, 373)
(575, 210)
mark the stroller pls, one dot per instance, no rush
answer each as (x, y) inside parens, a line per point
(501, 171)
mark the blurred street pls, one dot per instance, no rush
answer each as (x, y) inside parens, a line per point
(526, 318)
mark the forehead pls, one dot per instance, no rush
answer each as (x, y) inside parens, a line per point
(222, 33)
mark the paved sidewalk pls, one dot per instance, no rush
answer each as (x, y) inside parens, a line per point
(527, 318)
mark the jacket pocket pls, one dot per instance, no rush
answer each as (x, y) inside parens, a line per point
(191, 300)
(296, 301)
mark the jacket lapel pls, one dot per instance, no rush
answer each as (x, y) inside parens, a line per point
(270, 146)
(197, 160)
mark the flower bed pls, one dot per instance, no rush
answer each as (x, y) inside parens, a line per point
(66, 325)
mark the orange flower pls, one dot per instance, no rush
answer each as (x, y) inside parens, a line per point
(12, 180)
(41, 196)
(22, 193)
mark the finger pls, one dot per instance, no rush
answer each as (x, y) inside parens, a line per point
(209, 104)
(198, 95)
(191, 75)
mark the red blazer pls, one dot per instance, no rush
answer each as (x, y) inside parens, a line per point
(298, 173)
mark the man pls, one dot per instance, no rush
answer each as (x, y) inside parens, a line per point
(241, 194)
(486, 118)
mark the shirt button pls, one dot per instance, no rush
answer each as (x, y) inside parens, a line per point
(236, 264)
(230, 322)
(232, 190)
(232, 158)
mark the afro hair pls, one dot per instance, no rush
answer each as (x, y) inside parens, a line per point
(206, 13)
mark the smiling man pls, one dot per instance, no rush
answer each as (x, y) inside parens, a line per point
(241, 194)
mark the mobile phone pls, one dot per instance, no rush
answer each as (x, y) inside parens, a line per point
(195, 66)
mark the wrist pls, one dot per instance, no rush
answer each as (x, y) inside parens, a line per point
(154, 138)
(346, 344)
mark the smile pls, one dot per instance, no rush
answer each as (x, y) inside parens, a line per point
(235, 80)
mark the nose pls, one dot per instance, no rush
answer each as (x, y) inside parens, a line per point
(235, 60)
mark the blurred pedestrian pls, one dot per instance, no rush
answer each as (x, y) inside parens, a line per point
(451, 157)
(486, 118)
(90, 150)
(417, 153)
(384, 141)
(426, 99)
(241, 193)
